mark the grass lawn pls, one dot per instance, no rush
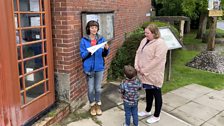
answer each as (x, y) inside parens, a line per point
(182, 75)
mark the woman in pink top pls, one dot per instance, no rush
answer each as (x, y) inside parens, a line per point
(150, 62)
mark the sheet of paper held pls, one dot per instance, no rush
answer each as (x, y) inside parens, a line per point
(93, 49)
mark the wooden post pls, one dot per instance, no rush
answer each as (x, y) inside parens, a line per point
(182, 31)
(169, 59)
(211, 35)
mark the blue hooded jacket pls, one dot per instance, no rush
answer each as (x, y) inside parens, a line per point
(93, 62)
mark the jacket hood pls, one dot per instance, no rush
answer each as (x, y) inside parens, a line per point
(98, 37)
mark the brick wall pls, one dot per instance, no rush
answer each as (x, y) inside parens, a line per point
(66, 27)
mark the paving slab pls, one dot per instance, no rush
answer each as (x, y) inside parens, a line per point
(211, 101)
(199, 88)
(112, 117)
(187, 93)
(167, 108)
(84, 122)
(207, 124)
(166, 120)
(187, 117)
(110, 96)
(218, 120)
(217, 94)
(195, 113)
(222, 91)
(117, 115)
(174, 100)
(202, 106)
(193, 104)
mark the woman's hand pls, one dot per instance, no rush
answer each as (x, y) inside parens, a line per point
(140, 72)
(106, 46)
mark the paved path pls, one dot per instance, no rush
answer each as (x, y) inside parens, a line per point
(220, 25)
(197, 105)
(192, 105)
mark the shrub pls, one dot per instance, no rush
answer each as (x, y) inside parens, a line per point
(162, 24)
(125, 55)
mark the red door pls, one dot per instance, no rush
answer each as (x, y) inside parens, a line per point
(30, 60)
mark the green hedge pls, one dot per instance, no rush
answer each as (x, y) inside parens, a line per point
(163, 24)
(126, 54)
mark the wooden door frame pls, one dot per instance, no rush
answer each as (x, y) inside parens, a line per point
(9, 103)
(38, 103)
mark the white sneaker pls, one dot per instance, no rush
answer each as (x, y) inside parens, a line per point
(143, 113)
(152, 119)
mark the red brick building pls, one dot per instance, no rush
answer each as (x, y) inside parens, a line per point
(40, 51)
(66, 27)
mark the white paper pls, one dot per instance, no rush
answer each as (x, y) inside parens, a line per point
(16, 24)
(210, 4)
(169, 38)
(93, 49)
(31, 76)
(34, 5)
(37, 36)
(90, 17)
(35, 21)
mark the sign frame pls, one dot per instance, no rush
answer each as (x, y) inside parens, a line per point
(105, 20)
(169, 37)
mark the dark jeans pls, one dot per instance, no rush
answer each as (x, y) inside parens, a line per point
(150, 95)
(131, 110)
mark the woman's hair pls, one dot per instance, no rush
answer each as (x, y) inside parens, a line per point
(130, 71)
(154, 30)
(89, 24)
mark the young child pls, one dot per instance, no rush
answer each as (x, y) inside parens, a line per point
(129, 90)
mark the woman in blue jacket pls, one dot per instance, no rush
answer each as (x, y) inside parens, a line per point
(93, 64)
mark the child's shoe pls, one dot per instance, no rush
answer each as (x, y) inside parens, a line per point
(144, 113)
(152, 119)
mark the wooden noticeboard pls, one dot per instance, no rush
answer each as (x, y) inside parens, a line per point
(172, 42)
(105, 20)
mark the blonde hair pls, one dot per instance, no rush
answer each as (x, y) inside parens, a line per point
(154, 30)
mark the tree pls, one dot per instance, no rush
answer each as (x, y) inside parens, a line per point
(211, 35)
(212, 31)
(202, 5)
(194, 9)
(169, 7)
